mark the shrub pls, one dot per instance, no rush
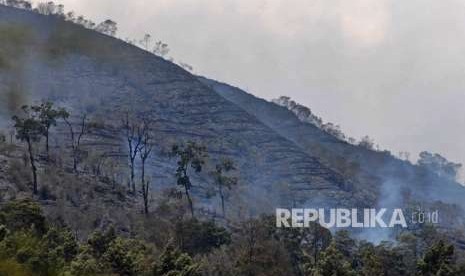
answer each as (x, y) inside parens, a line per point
(197, 237)
(12, 268)
(174, 262)
(23, 214)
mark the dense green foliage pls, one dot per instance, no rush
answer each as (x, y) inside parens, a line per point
(175, 263)
(29, 245)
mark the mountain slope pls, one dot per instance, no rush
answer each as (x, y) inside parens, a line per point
(103, 77)
(282, 161)
(372, 172)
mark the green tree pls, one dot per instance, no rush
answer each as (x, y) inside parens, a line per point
(303, 244)
(125, 257)
(370, 264)
(194, 236)
(408, 247)
(23, 215)
(257, 250)
(28, 240)
(29, 129)
(109, 253)
(100, 241)
(175, 263)
(391, 259)
(189, 156)
(48, 116)
(344, 243)
(25, 247)
(61, 244)
(85, 264)
(332, 263)
(438, 260)
(13, 268)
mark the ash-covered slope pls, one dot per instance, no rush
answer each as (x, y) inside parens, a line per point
(376, 175)
(47, 58)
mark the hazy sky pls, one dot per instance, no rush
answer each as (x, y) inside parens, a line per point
(392, 69)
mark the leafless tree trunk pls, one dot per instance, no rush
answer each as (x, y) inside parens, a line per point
(220, 190)
(12, 134)
(47, 146)
(76, 138)
(186, 191)
(145, 151)
(33, 165)
(134, 139)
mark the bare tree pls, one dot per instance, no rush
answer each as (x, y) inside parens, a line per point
(223, 181)
(160, 49)
(76, 138)
(146, 41)
(108, 27)
(439, 165)
(134, 136)
(145, 151)
(46, 8)
(367, 143)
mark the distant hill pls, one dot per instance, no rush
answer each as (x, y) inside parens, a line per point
(370, 172)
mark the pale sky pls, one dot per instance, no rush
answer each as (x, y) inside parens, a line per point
(394, 70)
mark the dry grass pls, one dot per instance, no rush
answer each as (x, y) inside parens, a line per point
(14, 41)
(69, 38)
